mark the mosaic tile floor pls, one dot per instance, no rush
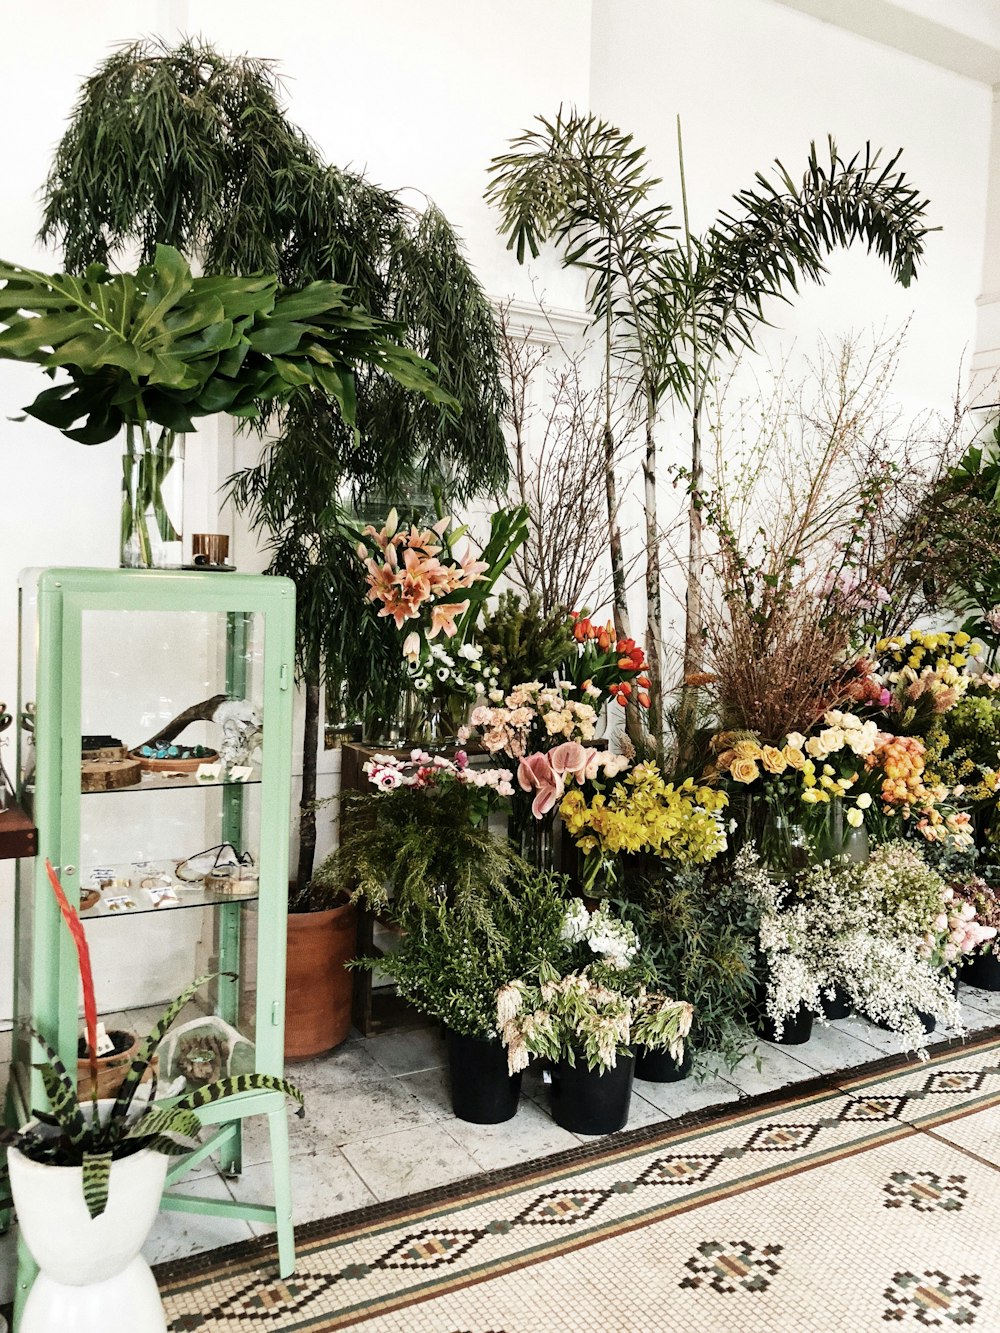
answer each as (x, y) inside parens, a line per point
(857, 1202)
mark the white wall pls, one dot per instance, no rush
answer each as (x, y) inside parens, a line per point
(422, 95)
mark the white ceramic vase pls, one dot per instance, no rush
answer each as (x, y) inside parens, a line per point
(91, 1278)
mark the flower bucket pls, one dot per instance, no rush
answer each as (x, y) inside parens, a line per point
(91, 1273)
(589, 1101)
(482, 1091)
(795, 1031)
(660, 1066)
(840, 1005)
(982, 970)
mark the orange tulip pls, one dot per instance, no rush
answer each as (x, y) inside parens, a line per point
(643, 699)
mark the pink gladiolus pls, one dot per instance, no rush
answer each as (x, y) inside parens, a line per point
(571, 760)
(535, 773)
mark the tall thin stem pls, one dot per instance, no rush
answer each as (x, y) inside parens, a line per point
(693, 637)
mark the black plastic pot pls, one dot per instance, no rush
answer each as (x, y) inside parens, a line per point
(928, 1020)
(587, 1101)
(795, 1031)
(660, 1066)
(482, 1091)
(982, 970)
(841, 1006)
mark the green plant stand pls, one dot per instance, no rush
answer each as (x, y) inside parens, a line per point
(121, 653)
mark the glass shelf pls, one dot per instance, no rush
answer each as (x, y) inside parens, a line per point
(188, 895)
(163, 782)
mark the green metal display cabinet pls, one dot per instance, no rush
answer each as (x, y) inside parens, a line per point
(121, 653)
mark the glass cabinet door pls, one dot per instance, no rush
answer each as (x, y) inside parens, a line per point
(156, 761)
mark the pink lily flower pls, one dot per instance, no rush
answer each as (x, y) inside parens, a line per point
(443, 618)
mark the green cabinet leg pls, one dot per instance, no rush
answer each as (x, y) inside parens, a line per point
(280, 1165)
(231, 1155)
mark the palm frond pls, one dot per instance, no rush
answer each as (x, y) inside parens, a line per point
(781, 232)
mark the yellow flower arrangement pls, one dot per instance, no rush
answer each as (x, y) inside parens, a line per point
(928, 670)
(644, 813)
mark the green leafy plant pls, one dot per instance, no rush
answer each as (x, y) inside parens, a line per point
(73, 1134)
(451, 970)
(428, 843)
(163, 347)
(699, 933)
(160, 347)
(522, 643)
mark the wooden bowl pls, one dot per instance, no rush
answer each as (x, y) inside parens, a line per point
(174, 765)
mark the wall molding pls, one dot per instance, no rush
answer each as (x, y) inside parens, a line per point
(548, 326)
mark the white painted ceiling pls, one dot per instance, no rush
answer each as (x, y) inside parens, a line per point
(960, 35)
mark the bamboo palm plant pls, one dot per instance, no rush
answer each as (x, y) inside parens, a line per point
(185, 146)
(669, 303)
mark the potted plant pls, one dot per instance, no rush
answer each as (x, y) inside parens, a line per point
(451, 968)
(419, 836)
(583, 1010)
(288, 212)
(86, 1177)
(111, 1067)
(699, 932)
(885, 931)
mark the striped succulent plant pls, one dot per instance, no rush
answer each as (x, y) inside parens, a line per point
(70, 1133)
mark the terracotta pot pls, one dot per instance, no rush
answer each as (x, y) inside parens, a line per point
(111, 1070)
(318, 987)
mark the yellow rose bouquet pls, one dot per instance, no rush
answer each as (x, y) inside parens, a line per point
(814, 782)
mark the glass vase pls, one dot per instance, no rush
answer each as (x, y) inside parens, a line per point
(152, 498)
(855, 845)
(829, 837)
(784, 846)
(776, 843)
(531, 838)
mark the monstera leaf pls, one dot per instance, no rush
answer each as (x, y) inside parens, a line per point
(165, 347)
